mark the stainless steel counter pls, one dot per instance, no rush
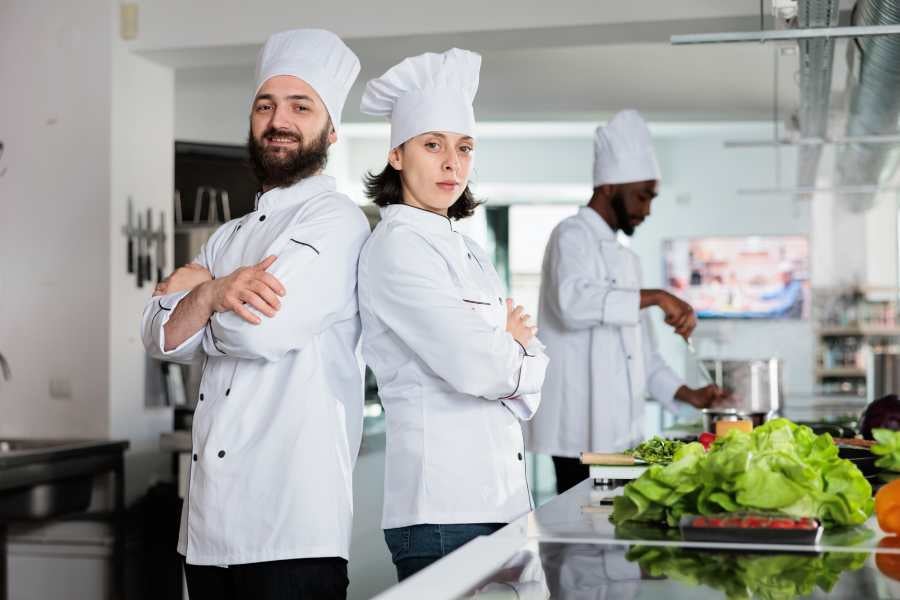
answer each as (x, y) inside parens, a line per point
(568, 548)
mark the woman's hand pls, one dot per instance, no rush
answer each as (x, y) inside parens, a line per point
(518, 323)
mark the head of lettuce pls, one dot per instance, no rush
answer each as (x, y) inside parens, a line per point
(780, 467)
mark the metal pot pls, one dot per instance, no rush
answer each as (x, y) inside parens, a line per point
(712, 415)
(755, 385)
(883, 376)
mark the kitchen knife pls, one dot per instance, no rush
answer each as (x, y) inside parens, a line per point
(148, 267)
(161, 247)
(128, 230)
(140, 246)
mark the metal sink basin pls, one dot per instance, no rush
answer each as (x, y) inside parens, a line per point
(46, 500)
(42, 479)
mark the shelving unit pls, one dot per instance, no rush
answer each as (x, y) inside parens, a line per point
(851, 323)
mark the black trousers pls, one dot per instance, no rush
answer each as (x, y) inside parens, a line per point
(297, 579)
(569, 472)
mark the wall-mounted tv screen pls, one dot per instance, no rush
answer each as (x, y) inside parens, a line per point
(753, 277)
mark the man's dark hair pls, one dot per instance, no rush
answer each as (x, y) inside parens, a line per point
(386, 188)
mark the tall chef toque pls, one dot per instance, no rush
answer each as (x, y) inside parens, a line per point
(429, 92)
(623, 151)
(316, 56)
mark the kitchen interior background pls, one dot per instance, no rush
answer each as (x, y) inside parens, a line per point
(94, 120)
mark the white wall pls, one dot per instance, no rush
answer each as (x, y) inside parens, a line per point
(55, 72)
(213, 105)
(85, 123)
(141, 166)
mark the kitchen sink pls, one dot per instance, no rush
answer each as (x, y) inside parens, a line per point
(44, 478)
(46, 500)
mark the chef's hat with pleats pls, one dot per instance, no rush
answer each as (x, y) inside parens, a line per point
(429, 92)
(316, 56)
(623, 151)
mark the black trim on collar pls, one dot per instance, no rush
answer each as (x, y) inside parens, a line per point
(430, 212)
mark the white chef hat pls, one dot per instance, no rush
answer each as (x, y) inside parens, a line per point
(316, 56)
(429, 92)
(623, 151)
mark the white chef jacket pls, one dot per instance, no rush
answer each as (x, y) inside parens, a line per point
(604, 352)
(278, 423)
(453, 382)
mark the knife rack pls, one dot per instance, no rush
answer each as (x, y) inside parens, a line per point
(145, 245)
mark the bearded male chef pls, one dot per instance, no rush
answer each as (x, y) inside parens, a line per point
(593, 318)
(270, 304)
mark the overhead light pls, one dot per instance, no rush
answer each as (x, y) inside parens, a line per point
(892, 138)
(740, 37)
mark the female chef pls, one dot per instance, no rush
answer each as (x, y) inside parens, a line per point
(458, 367)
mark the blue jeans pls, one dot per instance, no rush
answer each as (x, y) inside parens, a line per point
(416, 546)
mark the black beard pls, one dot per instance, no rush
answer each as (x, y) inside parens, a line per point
(285, 168)
(622, 217)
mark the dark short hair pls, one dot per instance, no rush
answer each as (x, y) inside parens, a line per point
(386, 188)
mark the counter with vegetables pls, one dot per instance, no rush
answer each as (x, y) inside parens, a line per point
(774, 513)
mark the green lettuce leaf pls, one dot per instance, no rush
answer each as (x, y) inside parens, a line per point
(888, 448)
(779, 467)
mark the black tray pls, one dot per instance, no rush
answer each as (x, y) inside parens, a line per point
(748, 535)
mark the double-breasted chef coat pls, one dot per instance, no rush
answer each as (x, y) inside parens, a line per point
(453, 382)
(602, 345)
(278, 420)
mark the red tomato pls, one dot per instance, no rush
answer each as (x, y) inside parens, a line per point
(699, 522)
(706, 438)
(782, 524)
(753, 522)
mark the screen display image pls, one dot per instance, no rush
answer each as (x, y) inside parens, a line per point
(740, 277)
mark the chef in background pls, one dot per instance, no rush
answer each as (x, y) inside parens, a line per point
(593, 316)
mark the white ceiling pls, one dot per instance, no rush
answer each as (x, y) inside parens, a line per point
(571, 72)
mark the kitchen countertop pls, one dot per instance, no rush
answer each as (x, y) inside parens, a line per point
(23, 452)
(27, 462)
(569, 548)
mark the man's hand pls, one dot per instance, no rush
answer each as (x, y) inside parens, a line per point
(679, 314)
(247, 285)
(518, 323)
(705, 397)
(183, 279)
